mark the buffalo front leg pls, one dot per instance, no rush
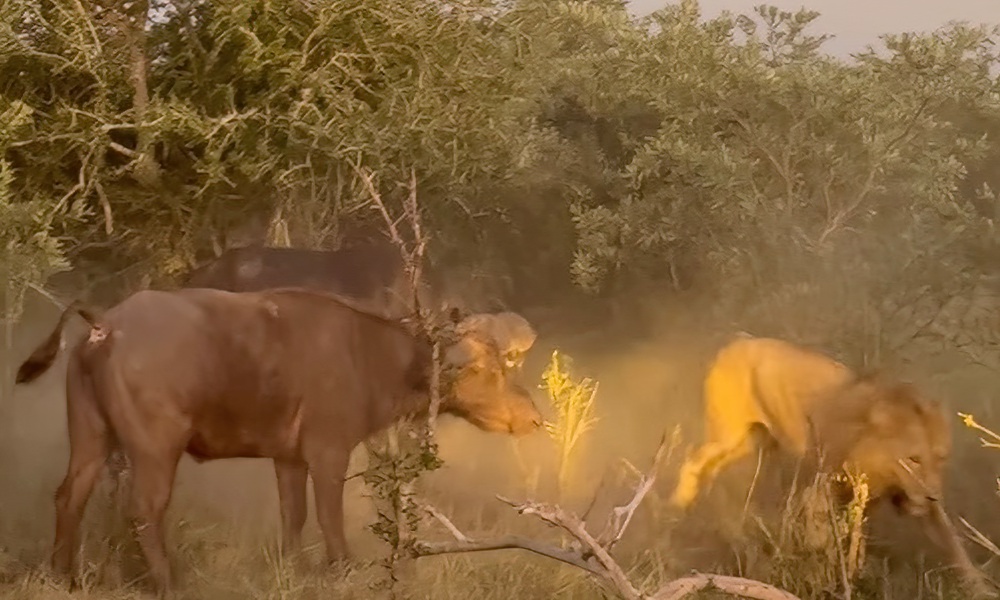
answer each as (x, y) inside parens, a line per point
(704, 465)
(328, 469)
(292, 498)
(152, 484)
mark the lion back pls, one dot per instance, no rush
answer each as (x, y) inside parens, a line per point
(768, 382)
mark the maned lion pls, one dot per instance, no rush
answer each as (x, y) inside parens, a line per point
(808, 401)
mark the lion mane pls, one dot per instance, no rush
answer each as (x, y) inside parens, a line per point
(808, 402)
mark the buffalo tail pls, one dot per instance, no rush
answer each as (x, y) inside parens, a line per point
(43, 356)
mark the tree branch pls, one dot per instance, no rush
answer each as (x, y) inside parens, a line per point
(593, 557)
(734, 586)
(557, 516)
(506, 543)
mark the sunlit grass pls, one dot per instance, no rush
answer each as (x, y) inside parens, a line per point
(573, 403)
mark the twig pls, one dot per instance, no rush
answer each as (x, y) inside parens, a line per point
(621, 516)
(971, 422)
(435, 407)
(977, 536)
(455, 531)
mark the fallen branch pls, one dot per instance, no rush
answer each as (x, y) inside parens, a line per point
(509, 542)
(592, 554)
(727, 584)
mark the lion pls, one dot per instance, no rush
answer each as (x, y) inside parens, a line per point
(806, 401)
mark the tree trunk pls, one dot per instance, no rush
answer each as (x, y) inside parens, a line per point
(133, 30)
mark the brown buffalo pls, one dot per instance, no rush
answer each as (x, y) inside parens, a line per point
(369, 272)
(297, 376)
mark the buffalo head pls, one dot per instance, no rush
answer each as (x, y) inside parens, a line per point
(482, 389)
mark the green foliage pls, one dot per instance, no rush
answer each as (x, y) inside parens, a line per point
(669, 148)
(770, 143)
(28, 251)
(254, 108)
(389, 475)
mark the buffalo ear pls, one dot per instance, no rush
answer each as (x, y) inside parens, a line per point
(519, 334)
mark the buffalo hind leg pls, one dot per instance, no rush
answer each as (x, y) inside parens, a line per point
(89, 449)
(705, 464)
(152, 484)
(328, 468)
(292, 478)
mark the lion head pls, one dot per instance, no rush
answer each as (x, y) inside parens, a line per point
(901, 442)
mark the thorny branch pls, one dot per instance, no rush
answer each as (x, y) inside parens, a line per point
(402, 492)
(593, 556)
(412, 258)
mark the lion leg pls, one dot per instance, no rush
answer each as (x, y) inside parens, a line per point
(704, 465)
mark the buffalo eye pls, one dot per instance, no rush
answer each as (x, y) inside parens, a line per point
(915, 460)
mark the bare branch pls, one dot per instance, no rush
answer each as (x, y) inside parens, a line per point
(109, 221)
(606, 569)
(435, 407)
(123, 150)
(367, 179)
(455, 531)
(621, 516)
(735, 586)
(43, 292)
(591, 556)
(507, 543)
(412, 258)
(557, 516)
(977, 536)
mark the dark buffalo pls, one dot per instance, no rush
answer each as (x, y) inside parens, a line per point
(369, 272)
(297, 376)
